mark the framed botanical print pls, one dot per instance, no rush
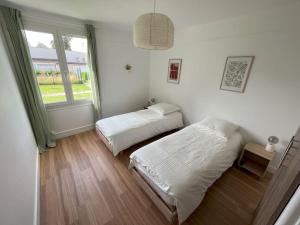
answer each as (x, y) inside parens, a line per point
(236, 72)
(174, 71)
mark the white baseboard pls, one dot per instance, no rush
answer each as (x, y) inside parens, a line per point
(77, 130)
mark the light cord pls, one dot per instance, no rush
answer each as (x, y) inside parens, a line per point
(152, 18)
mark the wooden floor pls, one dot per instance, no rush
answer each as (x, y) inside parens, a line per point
(82, 183)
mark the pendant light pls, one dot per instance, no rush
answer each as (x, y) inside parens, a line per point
(153, 31)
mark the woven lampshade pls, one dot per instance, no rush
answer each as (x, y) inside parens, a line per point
(154, 31)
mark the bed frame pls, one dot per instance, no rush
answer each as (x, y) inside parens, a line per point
(170, 214)
(109, 146)
(104, 139)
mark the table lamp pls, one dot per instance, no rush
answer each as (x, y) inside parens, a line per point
(272, 141)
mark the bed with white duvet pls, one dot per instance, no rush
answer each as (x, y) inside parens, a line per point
(181, 166)
(122, 131)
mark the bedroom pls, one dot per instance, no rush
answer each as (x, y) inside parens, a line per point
(80, 181)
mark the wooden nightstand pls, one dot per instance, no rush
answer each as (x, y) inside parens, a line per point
(255, 159)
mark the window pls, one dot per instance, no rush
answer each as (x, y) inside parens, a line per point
(61, 67)
(76, 55)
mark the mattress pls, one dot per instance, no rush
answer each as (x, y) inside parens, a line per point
(123, 131)
(168, 200)
(182, 166)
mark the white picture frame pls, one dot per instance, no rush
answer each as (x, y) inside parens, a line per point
(174, 70)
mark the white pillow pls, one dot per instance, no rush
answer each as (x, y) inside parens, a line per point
(164, 108)
(222, 128)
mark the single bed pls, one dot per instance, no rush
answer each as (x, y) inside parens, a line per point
(122, 131)
(177, 170)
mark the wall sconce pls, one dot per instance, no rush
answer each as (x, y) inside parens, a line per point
(152, 101)
(128, 67)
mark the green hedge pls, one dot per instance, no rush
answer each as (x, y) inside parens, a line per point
(54, 77)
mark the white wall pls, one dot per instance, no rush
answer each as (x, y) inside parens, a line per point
(72, 119)
(121, 91)
(270, 104)
(18, 154)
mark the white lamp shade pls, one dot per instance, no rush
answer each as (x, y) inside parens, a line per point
(154, 31)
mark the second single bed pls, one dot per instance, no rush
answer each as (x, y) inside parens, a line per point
(177, 170)
(122, 131)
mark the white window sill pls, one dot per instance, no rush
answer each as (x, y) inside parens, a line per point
(65, 105)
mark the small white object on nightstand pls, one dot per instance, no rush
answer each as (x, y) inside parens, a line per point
(272, 141)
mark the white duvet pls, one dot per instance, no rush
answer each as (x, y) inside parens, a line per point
(186, 163)
(123, 131)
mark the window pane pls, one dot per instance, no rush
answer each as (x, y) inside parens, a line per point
(46, 66)
(76, 54)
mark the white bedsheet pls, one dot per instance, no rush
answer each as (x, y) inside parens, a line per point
(186, 163)
(123, 131)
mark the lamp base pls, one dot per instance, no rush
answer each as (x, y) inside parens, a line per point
(269, 148)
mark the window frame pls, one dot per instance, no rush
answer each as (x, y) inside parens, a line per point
(62, 61)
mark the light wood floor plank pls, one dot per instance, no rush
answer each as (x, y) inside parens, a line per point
(69, 196)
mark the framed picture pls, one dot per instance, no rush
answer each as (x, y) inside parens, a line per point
(236, 72)
(174, 71)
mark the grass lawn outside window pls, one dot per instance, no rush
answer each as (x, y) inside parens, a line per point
(56, 93)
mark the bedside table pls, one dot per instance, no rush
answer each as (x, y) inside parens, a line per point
(255, 159)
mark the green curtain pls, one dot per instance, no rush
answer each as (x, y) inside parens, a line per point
(94, 73)
(15, 40)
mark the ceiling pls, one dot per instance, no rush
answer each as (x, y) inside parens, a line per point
(124, 12)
